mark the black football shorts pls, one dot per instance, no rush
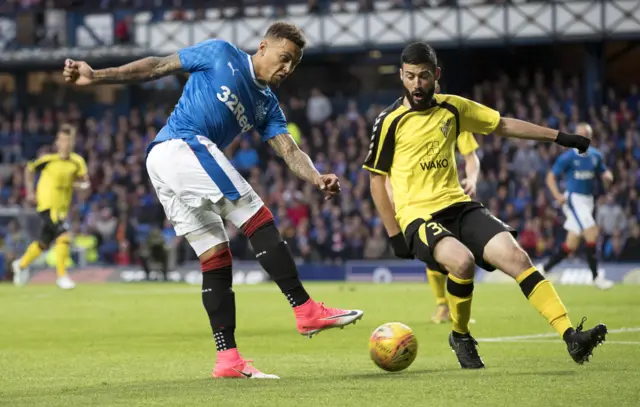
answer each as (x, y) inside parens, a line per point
(51, 229)
(469, 222)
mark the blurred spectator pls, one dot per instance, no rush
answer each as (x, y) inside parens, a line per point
(377, 246)
(154, 251)
(123, 30)
(610, 217)
(245, 158)
(318, 107)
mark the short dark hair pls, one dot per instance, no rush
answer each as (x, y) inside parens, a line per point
(67, 129)
(287, 31)
(419, 53)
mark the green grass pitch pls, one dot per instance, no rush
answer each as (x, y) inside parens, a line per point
(150, 345)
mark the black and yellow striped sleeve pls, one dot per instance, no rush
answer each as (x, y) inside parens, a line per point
(383, 141)
(39, 163)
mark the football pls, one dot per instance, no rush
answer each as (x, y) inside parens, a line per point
(393, 347)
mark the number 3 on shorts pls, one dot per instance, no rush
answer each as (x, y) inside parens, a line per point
(436, 227)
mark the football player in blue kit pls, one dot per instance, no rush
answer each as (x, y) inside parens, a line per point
(227, 94)
(580, 172)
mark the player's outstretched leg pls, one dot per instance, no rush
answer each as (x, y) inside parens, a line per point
(274, 256)
(503, 252)
(218, 299)
(20, 267)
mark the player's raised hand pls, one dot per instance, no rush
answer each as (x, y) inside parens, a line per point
(329, 184)
(77, 72)
(469, 187)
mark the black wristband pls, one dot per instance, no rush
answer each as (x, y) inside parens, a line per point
(400, 246)
(397, 238)
(573, 141)
(565, 139)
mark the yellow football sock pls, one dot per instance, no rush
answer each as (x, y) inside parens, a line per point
(33, 252)
(62, 254)
(460, 294)
(437, 282)
(544, 298)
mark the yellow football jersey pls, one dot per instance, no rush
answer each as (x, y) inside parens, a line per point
(416, 149)
(55, 186)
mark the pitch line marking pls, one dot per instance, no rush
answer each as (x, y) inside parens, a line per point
(608, 342)
(547, 335)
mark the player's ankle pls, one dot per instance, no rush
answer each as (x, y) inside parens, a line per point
(460, 335)
(567, 334)
(305, 308)
(229, 356)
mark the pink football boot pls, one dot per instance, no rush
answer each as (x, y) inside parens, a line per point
(231, 365)
(313, 317)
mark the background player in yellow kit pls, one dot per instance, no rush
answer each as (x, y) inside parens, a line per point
(60, 173)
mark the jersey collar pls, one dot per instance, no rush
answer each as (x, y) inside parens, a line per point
(253, 74)
(433, 103)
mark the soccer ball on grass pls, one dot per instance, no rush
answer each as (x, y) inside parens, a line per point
(393, 346)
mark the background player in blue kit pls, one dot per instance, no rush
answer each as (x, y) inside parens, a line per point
(580, 171)
(226, 95)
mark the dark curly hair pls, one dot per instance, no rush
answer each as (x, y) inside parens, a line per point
(288, 31)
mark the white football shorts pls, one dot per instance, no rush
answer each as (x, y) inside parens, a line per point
(578, 212)
(198, 188)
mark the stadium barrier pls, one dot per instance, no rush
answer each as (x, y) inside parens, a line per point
(573, 272)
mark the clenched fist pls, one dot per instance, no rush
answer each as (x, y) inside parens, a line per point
(77, 72)
(329, 184)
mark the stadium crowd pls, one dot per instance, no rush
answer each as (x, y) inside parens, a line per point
(121, 215)
(313, 6)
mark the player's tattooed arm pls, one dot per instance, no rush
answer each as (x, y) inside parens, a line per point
(146, 69)
(301, 165)
(296, 159)
(142, 70)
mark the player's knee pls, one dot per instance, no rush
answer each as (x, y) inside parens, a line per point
(261, 219)
(63, 239)
(569, 247)
(461, 266)
(591, 234)
(213, 252)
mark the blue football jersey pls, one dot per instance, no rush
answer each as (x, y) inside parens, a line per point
(222, 98)
(580, 170)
